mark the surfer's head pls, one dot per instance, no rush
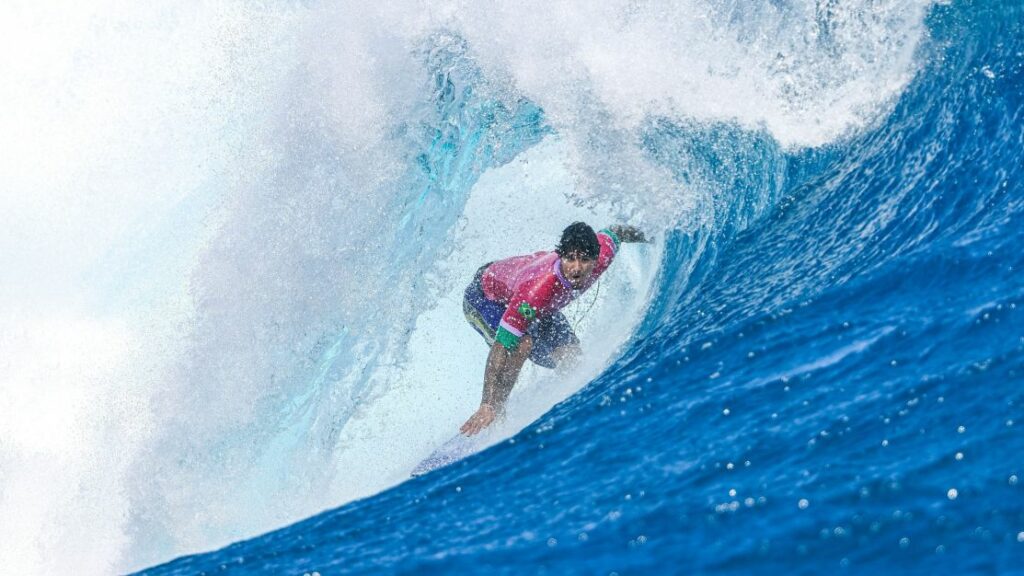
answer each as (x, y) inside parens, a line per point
(579, 241)
(578, 249)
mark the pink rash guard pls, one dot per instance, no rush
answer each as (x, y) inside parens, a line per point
(533, 285)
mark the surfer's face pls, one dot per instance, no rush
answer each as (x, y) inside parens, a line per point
(577, 269)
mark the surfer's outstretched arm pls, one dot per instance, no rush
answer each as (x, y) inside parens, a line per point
(503, 366)
(627, 233)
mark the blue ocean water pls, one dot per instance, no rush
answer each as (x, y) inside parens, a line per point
(828, 379)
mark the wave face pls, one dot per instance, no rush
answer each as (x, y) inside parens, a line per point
(817, 366)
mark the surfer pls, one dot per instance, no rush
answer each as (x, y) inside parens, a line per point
(514, 304)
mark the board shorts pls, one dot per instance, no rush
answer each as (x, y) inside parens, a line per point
(548, 332)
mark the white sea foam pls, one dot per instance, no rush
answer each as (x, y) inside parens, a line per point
(807, 72)
(210, 317)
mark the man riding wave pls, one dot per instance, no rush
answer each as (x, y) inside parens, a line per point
(515, 305)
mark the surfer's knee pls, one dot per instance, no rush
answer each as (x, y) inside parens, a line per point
(567, 356)
(522, 351)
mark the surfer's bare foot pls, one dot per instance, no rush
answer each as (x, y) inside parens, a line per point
(477, 422)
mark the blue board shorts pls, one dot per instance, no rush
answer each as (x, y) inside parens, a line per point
(549, 332)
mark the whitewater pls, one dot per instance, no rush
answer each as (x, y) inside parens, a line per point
(235, 238)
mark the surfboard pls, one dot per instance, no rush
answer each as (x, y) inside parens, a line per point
(455, 449)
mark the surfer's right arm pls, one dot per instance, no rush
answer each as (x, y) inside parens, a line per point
(503, 366)
(508, 353)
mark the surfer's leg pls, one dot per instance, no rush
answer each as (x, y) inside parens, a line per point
(567, 357)
(553, 341)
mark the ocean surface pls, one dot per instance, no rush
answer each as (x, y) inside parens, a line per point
(816, 367)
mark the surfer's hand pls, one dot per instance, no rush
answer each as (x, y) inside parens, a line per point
(627, 233)
(477, 422)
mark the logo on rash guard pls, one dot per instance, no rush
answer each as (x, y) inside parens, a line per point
(527, 311)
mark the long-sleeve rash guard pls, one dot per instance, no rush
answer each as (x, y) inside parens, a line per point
(533, 285)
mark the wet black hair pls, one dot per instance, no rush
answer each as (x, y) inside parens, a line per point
(579, 238)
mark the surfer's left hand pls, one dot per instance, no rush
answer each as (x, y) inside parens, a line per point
(477, 422)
